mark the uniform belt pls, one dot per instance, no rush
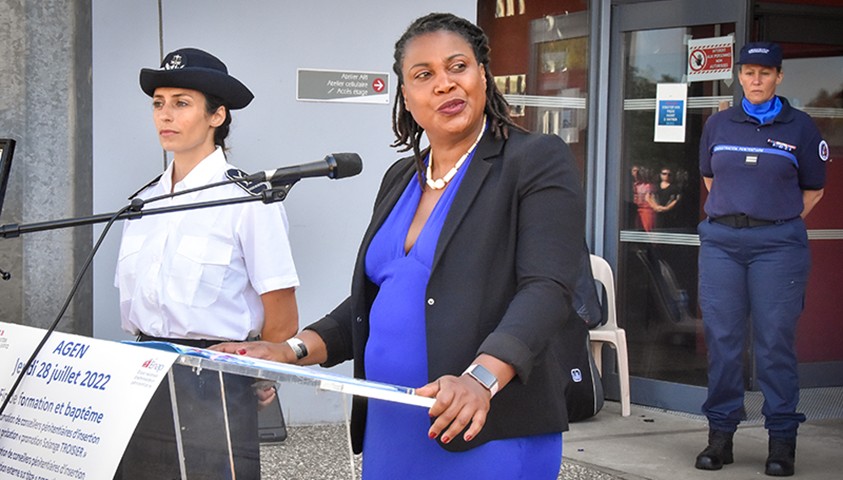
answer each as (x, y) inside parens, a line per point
(742, 221)
(179, 341)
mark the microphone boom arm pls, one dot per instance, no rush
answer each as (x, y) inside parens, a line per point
(270, 195)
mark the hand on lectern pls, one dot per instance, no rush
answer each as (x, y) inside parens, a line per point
(277, 352)
(306, 348)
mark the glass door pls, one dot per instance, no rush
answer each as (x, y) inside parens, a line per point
(660, 190)
(661, 195)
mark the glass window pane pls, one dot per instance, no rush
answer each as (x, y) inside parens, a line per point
(540, 55)
(815, 85)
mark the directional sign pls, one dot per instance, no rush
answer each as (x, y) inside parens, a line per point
(342, 86)
(378, 85)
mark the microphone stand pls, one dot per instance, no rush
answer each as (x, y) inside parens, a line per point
(134, 210)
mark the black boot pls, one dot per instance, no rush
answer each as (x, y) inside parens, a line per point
(781, 457)
(718, 452)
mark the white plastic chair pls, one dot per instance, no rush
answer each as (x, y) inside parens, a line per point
(610, 332)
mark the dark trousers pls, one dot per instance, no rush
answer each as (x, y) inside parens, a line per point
(152, 451)
(757, 273)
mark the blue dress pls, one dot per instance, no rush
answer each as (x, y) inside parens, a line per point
(395, 444)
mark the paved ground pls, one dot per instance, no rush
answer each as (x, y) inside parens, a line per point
(322, 452)
(654, 444)
(650, 444)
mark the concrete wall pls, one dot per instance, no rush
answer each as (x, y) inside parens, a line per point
(263, 42)
(45, 104)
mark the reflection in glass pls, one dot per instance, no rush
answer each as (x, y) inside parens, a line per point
(540, 59)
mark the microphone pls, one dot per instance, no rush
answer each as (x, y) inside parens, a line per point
(335, 165)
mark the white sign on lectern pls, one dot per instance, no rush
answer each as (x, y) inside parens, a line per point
(77, 405)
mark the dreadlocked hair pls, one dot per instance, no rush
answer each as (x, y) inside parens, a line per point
(408, 133)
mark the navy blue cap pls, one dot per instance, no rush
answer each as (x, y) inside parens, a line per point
(767, 54)
(197, 70)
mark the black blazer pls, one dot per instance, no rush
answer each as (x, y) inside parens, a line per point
(501, 283)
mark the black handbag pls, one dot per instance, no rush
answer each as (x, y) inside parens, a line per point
(584, 389)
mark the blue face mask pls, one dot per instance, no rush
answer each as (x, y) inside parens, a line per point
(764, 112)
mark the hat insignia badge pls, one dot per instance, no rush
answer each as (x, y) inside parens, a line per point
(174, 63)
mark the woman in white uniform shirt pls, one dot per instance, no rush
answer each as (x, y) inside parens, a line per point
(202, 276)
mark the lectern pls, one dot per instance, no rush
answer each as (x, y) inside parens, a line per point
(77, 404)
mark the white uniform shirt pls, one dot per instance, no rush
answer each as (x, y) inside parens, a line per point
(199, 274)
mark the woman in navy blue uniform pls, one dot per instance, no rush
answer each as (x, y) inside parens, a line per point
(763, 163)
(464, 280)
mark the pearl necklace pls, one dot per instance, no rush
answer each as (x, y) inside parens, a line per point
(440, 183)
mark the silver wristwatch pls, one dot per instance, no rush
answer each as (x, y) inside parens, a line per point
(484, 376)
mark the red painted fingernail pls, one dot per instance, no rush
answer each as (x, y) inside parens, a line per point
(468, 437)
(242, 351)
(431, 435)
(446, 439)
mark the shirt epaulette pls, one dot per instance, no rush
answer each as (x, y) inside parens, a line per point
(151, 183)
(252, 188)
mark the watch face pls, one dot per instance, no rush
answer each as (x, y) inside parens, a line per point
(484, 376)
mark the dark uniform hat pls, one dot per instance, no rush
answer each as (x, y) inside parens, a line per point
(197, 70)
(767, 54)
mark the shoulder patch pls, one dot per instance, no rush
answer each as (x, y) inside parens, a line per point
(252, 188)
(823, 151)
(151, 183)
